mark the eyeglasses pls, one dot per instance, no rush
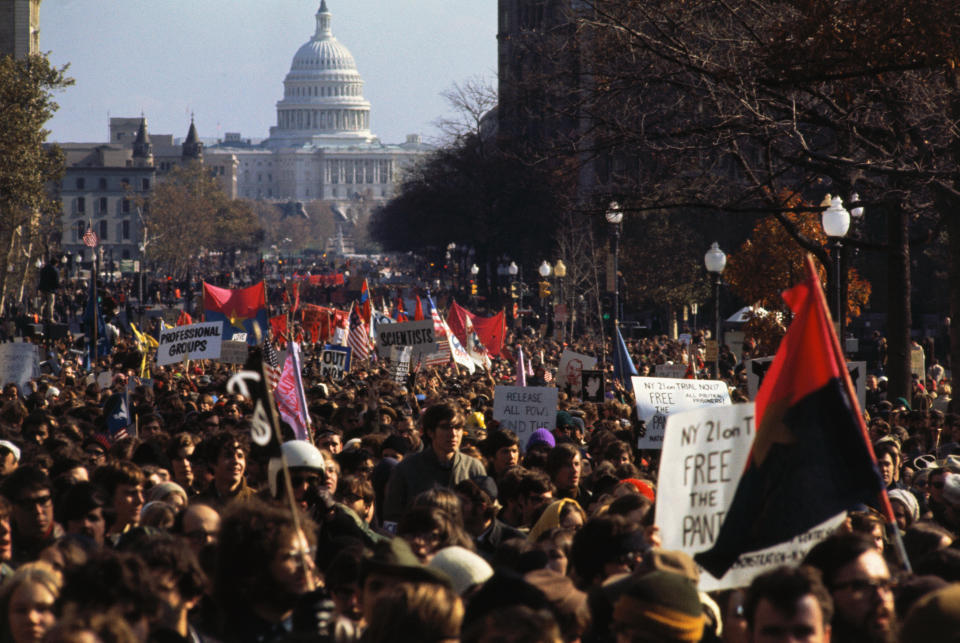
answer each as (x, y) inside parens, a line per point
(38, 501)
(865, 585)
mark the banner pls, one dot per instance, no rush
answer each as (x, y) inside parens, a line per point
(334, 361)
(704, 454)
(491, 330)
(757, 369)
(236, 309)
(420, 335)
(571, 367)
(19, 363)
(196, 341)
(658, 397)
(524, 409)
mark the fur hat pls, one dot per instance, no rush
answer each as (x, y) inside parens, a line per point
(908, 500)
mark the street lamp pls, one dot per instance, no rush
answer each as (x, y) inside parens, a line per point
(716, 261)
(836, 223)
(474, 270)
(544, 269)
(614, 216)
(513, 270)
(560, 271)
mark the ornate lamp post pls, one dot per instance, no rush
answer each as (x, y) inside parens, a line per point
(836, 223)
(715, 261)
(614, 215)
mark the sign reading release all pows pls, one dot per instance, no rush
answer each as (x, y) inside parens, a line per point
(194, 341)
(704, 454)
(419, 334)
(659, 397)
(524, 409)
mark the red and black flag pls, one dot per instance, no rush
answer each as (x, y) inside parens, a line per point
(811, 458)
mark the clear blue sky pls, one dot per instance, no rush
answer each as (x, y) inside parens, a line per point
(225, 60)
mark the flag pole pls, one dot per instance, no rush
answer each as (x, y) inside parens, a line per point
(837, 355)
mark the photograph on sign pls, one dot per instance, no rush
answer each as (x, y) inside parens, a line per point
(658, 397)
(419, 334)
(704, 454)
(524, 409)
(194, 341)
(233, 351)
(591, 386)
(569, 372)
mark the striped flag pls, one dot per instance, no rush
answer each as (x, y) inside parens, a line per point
(359, 337)
(443, 355)
(271, 365)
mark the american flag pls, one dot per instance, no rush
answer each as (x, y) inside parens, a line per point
(271, 365)
(359, 337)
(442, 356)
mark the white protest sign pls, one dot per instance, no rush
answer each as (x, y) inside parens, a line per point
(334, 361)
(239, 337)
(419, 334)
(704, 454)
(524, 409)
(658, 397)
(234, 351)
(757, 370)
(19, 363)
(194, 341)
(571, 366)
(675, 371)
(400, 358)
(105, 379)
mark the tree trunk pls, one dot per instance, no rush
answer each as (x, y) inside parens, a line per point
(899, 314)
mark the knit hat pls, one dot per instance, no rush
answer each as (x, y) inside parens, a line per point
(951, 489)
(164, 489)
(935, 618)
(663, 604)
(643, 488)
(564, 419)
(908, 500)
(541, 436)
(464, 567)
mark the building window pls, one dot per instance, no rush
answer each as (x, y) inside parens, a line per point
(103, 230)
(126, 230)
(125, 206)
(126, 254)
(103, 183)
(103, 205)
(144, 184)
(125, 184)
(80, 183)
(81, 205)
(80, 229)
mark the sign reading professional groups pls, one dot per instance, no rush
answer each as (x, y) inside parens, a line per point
(704, 455)
(658, 397)
(195, 341)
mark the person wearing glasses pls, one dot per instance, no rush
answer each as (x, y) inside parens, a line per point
(440, 464)
(30, 493)
(861, 587)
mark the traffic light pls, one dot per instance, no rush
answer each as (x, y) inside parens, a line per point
(473, 287)
(514, 294)
(544, 289)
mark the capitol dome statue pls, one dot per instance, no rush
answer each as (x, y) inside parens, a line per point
(323, 101)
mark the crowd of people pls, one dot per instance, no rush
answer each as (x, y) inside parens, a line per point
(410, 515)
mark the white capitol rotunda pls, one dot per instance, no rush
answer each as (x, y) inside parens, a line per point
(321, 146)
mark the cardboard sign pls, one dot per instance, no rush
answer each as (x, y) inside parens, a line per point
(334, 361)
(524, 409)
(194, 341)
(19, 363)
(704, 454)
(571, 367)
(400, 358)
(591, 386)
(419, 334)
(234, 351)
(658, 397)
(675, 371)
(757, 370)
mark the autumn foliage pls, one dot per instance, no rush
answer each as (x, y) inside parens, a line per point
(771, 261)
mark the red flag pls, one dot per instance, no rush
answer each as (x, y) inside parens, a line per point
(184, 319)
(296, 295)
(278, 325)
(811, 458)
(365, 311)
(401, 314)
(418, 312)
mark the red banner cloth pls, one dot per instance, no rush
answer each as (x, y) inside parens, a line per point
(490, 330)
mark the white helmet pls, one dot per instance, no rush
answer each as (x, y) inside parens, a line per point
(300, 454)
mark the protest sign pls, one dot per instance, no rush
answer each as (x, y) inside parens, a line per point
(105, 379)
(757, 369)
(234, 351)
(704, 454)
(419, 334)
(676, 371)
(591, 386)
(194, 341)
(524, 409)
(400, 358)
(658, 397)
(569, 373)
(334, 361)
(19, 363)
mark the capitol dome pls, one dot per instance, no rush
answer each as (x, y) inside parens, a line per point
(322, 100)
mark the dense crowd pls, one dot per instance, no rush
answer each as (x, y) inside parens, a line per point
(410, 515)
